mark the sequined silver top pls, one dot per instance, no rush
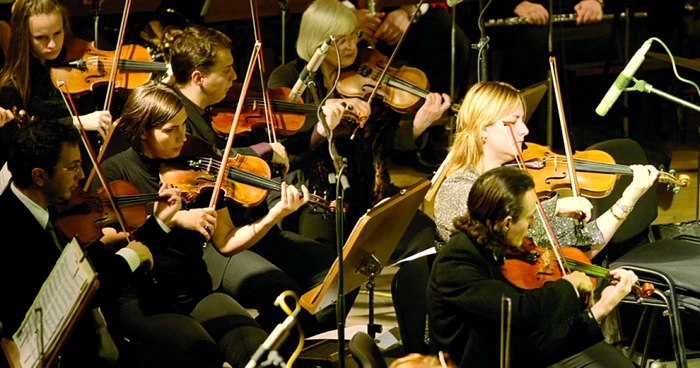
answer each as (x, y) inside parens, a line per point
(451, 202)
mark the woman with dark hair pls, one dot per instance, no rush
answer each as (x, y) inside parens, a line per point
(466, 284)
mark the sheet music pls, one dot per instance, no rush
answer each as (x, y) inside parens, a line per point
(56, 302)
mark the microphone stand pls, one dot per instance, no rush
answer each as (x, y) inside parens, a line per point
(340, 180)
(284, 7)
(482, 46)
(96, 7)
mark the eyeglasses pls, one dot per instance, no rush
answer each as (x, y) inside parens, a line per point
(353, 37)
(74, 168)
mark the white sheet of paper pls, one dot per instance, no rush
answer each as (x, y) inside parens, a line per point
(56, 301)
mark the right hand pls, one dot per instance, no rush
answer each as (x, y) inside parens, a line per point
(580, 281)
(145, 256)
(334, 108)
(98, 121)
(6, 116)
(202, 220)
(279, 155)
(368, 24)
(535, 13)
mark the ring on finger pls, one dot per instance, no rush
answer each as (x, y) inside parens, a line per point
(207, 226)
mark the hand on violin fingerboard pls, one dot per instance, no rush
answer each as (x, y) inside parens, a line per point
(290, 201)
(433, 108)
(368, 24)
(613, 294)
(643, 177)
(166, 210)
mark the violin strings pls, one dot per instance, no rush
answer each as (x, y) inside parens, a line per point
(587, 165)
(255, 179)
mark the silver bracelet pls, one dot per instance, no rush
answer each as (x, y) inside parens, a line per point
(625, 208)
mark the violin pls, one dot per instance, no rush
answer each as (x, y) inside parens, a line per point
(86, 66)
(596, 172)
(85, 214)
(530, 267)
(247, 182)
(287, 116)
(401, 88)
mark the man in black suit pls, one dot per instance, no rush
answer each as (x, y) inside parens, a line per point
(549, 323)
(46, 166)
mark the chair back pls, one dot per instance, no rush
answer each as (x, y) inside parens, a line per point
(365, 351)
(409, 292)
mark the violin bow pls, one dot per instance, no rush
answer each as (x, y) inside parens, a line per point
(255, 17)
(551, 235)
(91, 153)
(110, 90)
(393, 55)
(570, 164)
(223, 168)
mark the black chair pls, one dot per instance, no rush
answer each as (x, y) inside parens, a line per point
(365, 351)
(634, 231)
(409, 292)
(670, 264)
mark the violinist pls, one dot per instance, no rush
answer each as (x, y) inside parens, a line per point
(45, 167)
(466, 284)
(154, 122)
(383, 135)
(40, 30)
(202, 67)
(483, 143)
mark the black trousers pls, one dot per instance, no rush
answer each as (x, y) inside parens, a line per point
(218, 329)
(280, 261)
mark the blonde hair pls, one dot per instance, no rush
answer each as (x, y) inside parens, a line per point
(322, 19)
(415, 360)
(484, 103)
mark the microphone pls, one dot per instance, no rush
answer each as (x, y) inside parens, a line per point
(309, 69)
(277, 336)
(623, 80)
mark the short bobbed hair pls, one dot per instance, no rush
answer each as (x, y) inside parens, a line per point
(322, 19)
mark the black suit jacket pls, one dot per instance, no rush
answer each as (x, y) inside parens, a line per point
(464, 296)
(28, 254)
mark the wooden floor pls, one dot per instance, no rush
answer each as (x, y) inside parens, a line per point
(678, 207)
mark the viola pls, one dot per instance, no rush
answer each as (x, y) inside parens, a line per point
(596, 172)
(85, 214)
(287, 116)
(401, 88)
(531, 267)
(247, 182)
(86, 66)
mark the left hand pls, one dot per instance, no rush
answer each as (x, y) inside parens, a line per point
(165, 210)
(573, 207)
(588, 12)
(290, 201)
(644, 176)
(393, 26)
(433, 108)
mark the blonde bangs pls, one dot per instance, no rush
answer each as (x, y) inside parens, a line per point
(322, 19)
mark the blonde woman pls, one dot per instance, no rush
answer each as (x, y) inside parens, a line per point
(483, 142)
(385, 133)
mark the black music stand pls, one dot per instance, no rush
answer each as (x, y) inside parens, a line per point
(533, 96)
(368, 248)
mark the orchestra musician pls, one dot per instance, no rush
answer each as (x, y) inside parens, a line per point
(154, 122)
(202, 67)
(466, 284)
(40, 29)
(45, 167)
(525, 47)
(483, 143)
(382, 137)
(426, 47)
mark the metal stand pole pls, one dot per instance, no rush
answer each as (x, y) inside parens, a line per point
(453, 49)
(283, 13)
(372, 328)
(550, 84)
